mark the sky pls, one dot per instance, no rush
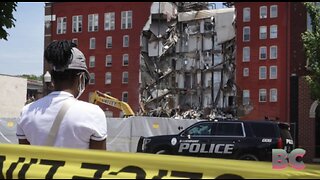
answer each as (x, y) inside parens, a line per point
(23, 52)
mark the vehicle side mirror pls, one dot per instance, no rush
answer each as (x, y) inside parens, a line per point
(184, 134)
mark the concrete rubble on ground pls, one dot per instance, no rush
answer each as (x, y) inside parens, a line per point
(187, 64)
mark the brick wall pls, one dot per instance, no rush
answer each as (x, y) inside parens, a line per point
(306, 133)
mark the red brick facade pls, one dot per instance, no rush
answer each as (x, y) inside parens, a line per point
(294, 100)
(140, 15)
(306, 133)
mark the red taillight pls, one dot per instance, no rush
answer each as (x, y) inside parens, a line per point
(280, 143)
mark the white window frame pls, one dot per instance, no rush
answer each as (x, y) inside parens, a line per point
(122, 97)
(92, 43)
(109, 21)
(260, 53)
(273, 32)
(125, 78)
(108, 58)
(61, 25)
(275, 48)
(125, 58)
(245, 95)
(108, 78)
(92, 79)
(77, 24)
(126, 19)
(246, 54)
(263, 9)
(246, 14)
(93, 22)
(273, 95)
(246, 72)
(92, 61)
(275, 74)
(262, 92)
(263, 32)
(125, 41)
(108, 41)
(273, 14)
(261, 73)
(244, 28)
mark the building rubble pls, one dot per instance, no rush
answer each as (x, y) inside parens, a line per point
(187, 65)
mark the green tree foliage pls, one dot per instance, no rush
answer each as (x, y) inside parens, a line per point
(32, 77)
(6, 18)
(311, 42)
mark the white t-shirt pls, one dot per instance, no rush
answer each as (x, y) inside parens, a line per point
(82, 122)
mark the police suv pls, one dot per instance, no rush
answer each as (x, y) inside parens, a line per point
(232, 139)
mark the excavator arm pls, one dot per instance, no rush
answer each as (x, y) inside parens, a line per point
(100, 97)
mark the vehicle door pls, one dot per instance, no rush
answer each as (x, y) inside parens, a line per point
(286, 137)
(227, 137)
(194, 141)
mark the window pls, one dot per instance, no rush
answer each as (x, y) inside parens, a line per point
(109, 21)
(246, 14)
(125, 96)
(90, 95)
(109, 42)
(273, 11)
(273, 95)
(75, 40)
(61, 25)
(108, 60)
(245, 72)
(259, 130)
(92, 61)
(125, 41)
(125, 60)
(263, 12)
(273, 32)
(246, 34)
(125, 78)
(228, 129)
(93, 22)
(92, 43)
(246, 54)
(262, 72)
(202, 129)
(92, 78)
(262, 95)
(77, 24)
(273, 72)
(309, 26)
(273, 52)
(246, 97)
(108, 78)
(126, 19)
(263, 52)
(263, 32)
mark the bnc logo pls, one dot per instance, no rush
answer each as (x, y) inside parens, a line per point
(281, 159)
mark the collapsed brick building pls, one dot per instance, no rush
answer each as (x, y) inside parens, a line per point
(188, 61)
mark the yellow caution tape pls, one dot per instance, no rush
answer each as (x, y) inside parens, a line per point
(23, 161)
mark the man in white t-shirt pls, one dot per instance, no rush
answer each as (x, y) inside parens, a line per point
(84, 124)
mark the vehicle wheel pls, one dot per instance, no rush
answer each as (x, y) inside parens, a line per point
(249, 157)
(162, 151)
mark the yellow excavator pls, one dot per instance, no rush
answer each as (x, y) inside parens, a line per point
(98, 96)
